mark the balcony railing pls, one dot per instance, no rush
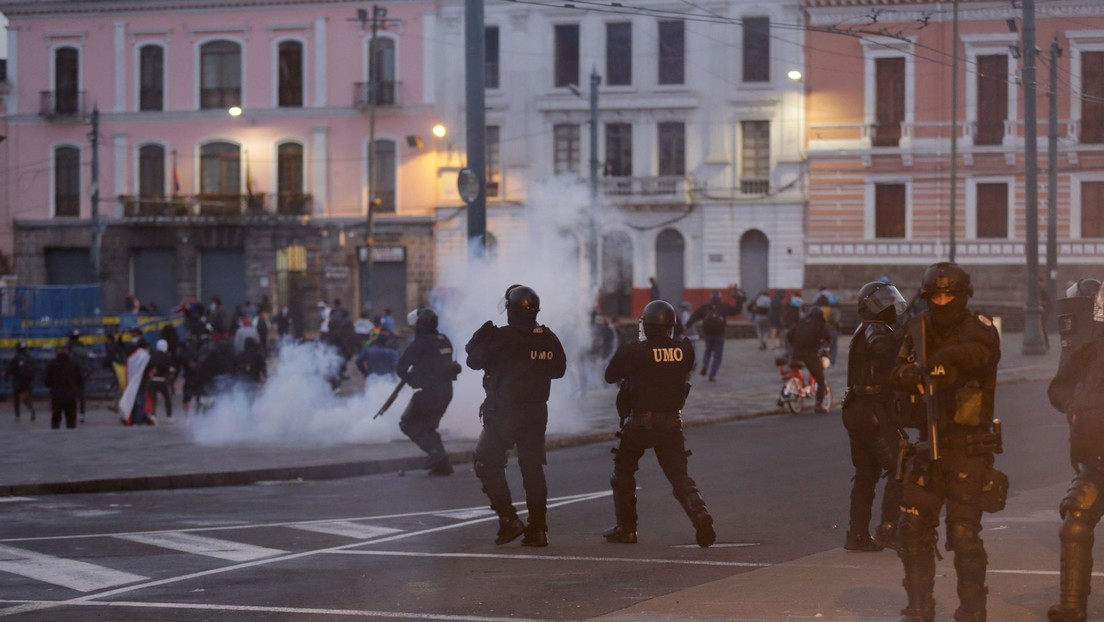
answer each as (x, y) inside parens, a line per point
(385, 94)
(664, 189)
(754, 186)
(218, 205)
(61, 104)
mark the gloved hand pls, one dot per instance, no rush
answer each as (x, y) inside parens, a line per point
(453, 370)
(485, 330)
(912, 379)
(943, 375)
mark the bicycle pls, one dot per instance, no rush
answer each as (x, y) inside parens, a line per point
(798, 383)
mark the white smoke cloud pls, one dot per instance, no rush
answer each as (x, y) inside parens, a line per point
(537, 246)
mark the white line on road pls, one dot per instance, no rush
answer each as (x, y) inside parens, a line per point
(10, 499)
(227, 527)
(725, 545)
(75, 575)
(349, 529)
(200, 545)
(82, 600)
(556, 558)
(362, 613)
(466, 514)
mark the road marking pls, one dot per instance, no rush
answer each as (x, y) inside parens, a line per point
(725, 545)
(200, 545)
(466, 514)
(556, 558)
(11, 499)
(237, 525)
(1047, 573)
(75, 575)
(366, 613)
(84, 600)
(349, 529)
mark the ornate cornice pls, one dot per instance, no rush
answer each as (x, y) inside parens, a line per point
(853, 12)
(35, 8)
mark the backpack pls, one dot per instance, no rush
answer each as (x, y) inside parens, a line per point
(714, 320)
(761, 306)
(806, 337)
(738, 300)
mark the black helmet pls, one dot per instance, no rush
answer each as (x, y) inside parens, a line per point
(1083, 288)
(522, 299)
(877, 296)
(945, 277)
(423, 319)
(21, 346)
(658, 313)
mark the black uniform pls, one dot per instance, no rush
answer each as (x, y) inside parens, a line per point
(963, 349)
(427, 365)
(806, 339)
(65, 378)
(160, 373)
(519, 361)
(21, 370)
(1077, 391)
(869, 414)
(656, 372)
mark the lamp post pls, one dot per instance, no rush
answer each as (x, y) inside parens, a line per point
(1033, 338)
(592, 216)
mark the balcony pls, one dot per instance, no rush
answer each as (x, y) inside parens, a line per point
(385, 94)
(661, 190)
(755, 186)
(61, 105)
(218, 205)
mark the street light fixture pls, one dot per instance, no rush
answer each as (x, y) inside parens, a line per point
(794, 75)
(235, 111)
(439, 130)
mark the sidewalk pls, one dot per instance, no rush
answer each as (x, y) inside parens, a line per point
(103, 455)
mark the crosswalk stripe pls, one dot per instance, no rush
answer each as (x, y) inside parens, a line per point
(466, 514)
(349, 529)
(202, 545)
(75, 575)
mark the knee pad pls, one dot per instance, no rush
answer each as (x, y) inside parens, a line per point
(915, 537)
(1076, 528)
(963, 539)
(482, 469)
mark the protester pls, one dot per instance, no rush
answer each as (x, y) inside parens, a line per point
(65, 378)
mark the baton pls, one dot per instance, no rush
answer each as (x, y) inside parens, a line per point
(390, 399)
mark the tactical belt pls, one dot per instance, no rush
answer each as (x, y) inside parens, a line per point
(975, 444)
(865, 390)
(659, 413)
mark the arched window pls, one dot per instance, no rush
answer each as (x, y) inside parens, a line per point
(617, 273)
(67, 182)
(289, 179)
(671, 265)
(220, 169)
(220, 75)
(151, 174)
(384, 160)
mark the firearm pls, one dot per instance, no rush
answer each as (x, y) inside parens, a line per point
(919, 333)
(390, 399)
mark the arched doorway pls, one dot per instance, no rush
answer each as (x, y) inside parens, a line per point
(617, 272)
(671, 266)
(754, 261)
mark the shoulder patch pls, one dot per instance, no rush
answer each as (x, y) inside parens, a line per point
(538, 329)
(985, 319)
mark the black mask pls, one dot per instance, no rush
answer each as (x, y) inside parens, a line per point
(945, 316)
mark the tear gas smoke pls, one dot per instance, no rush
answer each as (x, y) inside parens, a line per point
(538, 245)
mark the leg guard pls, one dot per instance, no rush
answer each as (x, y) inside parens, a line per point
(917, 553)
(624, 509)
(1075, 571)
(536, 532)
(970, 561)
(699, 515)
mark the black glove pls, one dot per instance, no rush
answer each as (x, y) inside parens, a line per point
(910, 377)
(453, 370)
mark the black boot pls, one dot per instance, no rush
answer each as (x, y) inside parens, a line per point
(624, 508)
(860, 542)
(919, 583)
(695, 508)
(972, 593)
(1059, 613)
(536, 533)
(509, 529)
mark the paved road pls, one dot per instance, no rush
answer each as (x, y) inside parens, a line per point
(410, 547)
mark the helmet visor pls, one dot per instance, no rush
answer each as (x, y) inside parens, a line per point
(884, 298)
(412, 317)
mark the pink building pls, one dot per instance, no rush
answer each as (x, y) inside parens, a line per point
(270, 203)
(879, 104)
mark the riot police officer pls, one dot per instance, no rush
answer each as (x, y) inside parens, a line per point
(427, 365)
(869, 414)
(519, 362)
(949, 355)
(654, 374)
(1082, 400)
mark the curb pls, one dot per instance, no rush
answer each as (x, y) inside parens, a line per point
(342, 469)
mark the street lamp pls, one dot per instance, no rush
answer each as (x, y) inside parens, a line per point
(439, 130)
(592, 239)
(794, 75)
(234, 111)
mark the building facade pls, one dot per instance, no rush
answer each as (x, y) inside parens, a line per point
(880, 100)
(233, 150)
(699, 138)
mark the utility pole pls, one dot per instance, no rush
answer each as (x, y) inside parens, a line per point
(1033, 338)
(954, 133)
(97, 234)
(1052, 179)
(474, 58)
(595, 81)
(378, 20)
